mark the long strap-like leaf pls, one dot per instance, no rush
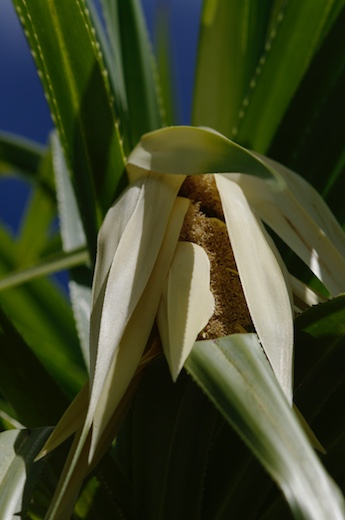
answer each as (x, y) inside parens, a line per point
(70, 64)
(256, 56)
(235, 374)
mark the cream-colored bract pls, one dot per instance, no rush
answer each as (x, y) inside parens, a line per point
(141, 273)
(264, 284)
(187, 288)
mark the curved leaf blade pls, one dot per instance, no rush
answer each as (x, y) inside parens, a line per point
(267, 51)
(264, 283)
(38, 217)
(232, 37)
(80, 99)
(131, 51)
(289, 49)
(73, 237)
(189, 150)
(315, 117)
(45, 319)
(44, 267)
(235, 374)
(17, 472)
(18, 154)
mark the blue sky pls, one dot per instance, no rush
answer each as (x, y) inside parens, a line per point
(23, 108)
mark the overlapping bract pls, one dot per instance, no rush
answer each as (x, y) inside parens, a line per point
(141, 273)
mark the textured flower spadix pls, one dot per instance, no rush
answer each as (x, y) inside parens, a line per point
(143, 273)
(254, 189)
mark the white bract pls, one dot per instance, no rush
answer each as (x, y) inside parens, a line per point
(143, 273)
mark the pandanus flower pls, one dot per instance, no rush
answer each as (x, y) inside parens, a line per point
(184, 255)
